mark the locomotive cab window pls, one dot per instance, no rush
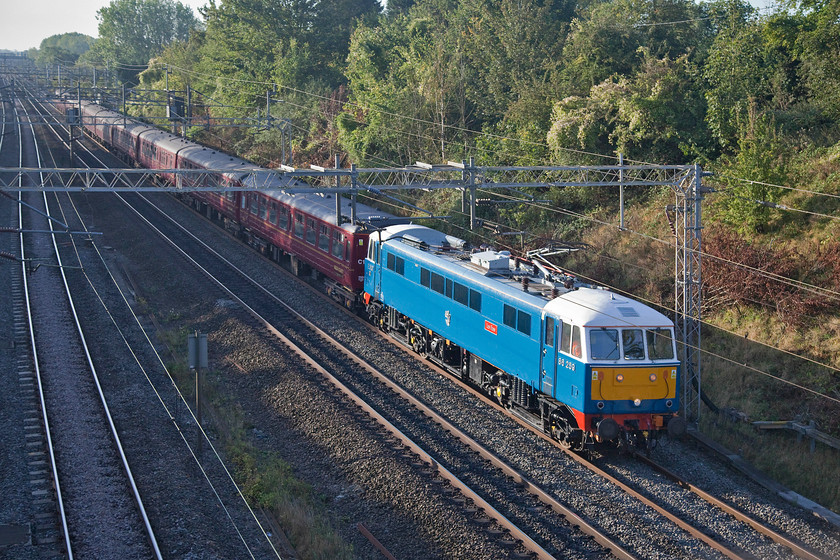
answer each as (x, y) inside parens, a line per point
(549, 331)
(570, 339)
(632, 344)
(603, 344)
(660, 344)
(576, 347)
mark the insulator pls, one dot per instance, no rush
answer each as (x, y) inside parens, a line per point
(525, 282)
(9, 256)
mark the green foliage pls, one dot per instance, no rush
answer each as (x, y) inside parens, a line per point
(131, 32)
(609, 37)
(762, 158)
(64, 48)
(656, 115)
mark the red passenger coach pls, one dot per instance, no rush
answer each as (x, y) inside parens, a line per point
(305, 226)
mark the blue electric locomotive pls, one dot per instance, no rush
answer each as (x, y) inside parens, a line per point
(593, 365)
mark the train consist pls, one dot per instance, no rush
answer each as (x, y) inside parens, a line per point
(586, 363)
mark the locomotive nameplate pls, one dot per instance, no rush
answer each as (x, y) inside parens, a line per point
(490, 327)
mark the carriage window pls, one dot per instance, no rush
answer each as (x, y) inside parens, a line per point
(231, 196)
(262, 207)
(603, 344)
(475, 300)
(659, 344)
(324, 239)
(510, 316)
(310, 231)
(523, 323)
(437, 283)
(298, 226)
(517, 319)
(461, 294)
(254, 204)
(338, 245)
(549, 331)
(283, 218)
(632, 344)
(272, 213)
(425, 277)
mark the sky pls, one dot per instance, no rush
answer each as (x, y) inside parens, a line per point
(25, 23)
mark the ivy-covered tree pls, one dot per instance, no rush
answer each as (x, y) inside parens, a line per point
(656, 115)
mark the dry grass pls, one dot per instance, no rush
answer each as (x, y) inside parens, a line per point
(784, 458)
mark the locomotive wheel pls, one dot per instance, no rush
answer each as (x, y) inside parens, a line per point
(418, 343)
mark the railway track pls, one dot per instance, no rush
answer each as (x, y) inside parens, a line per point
(90, 470)
(196, 508)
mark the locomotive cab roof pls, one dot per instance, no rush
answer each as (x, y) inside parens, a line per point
(594, 307)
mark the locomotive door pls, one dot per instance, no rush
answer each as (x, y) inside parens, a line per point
(548, 356)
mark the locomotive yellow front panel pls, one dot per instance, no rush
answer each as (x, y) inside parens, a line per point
(645, 383)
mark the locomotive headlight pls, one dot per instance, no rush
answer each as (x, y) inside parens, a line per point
(619, 378)
(637, 402)
(653, 378)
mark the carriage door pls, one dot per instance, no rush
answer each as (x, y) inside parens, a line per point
(548, 357)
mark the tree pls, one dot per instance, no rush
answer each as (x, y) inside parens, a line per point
(762, 158)
(131, 32)
(655, 115)
(64, 48)
(735, 71)
(817, 46)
